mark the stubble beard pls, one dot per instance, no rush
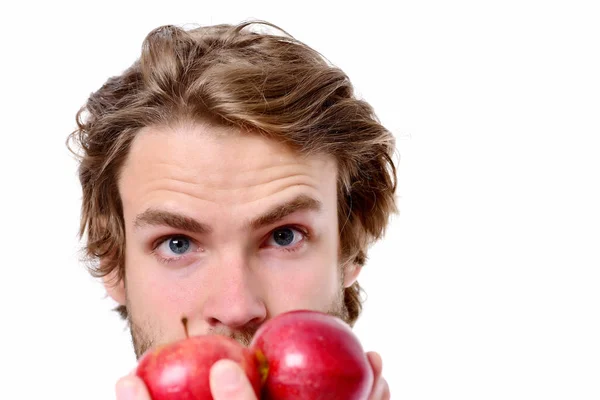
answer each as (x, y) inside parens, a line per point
(145, 337)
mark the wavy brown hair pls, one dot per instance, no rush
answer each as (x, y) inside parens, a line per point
(268, 83)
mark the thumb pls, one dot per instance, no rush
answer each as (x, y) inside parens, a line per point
(229, 382)
(131, 388)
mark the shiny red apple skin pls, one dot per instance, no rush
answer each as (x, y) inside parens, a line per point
(311, 356)
(181, 370)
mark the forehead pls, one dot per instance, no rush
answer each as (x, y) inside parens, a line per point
(220, 165)
(209, 147)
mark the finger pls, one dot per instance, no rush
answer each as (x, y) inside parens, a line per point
(131, 388)
(381, 390)
(376, 363)
(386, 395)
(229, 382)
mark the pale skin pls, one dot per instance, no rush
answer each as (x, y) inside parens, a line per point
(229, 229)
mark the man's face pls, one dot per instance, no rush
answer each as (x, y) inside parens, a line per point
(227, 229)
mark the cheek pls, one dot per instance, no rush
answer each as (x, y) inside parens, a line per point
(311, 283)
(154, 295)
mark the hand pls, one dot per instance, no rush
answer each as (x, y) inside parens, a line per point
(381, 390)
(227, 382)
(131, 387)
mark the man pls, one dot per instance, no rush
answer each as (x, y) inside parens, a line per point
(230, 176)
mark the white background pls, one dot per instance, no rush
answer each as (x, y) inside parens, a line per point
(487, 284)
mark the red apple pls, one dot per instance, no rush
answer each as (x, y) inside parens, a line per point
(180, 370)
(312, 355)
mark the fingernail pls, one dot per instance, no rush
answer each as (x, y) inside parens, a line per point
(227, 376)
(126, 390)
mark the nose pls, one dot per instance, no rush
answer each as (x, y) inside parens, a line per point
(234, 300)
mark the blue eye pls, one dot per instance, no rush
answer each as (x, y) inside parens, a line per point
(175, 248)
(178, 244)
(283, 237)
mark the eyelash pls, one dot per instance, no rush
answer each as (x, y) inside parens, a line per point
(296, 247)
(168, 260)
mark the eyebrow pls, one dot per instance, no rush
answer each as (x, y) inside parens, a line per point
(156, 217)
(300, 203)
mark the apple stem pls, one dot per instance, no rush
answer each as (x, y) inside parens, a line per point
(184, 322)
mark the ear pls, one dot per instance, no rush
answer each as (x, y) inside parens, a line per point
(115, 287)
(351, 272)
